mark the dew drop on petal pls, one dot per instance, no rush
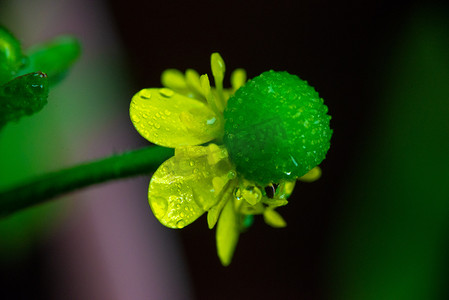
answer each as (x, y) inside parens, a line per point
(135, 118)
(165, 92)
(180, 223)
(211, 121)
(145, 94)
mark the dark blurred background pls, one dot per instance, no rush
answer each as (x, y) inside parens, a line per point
(375, 226)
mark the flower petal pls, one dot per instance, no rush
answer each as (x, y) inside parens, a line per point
(273, 218)
(312, 175)
(170, 119)
(227, 234)
(173, 79)
(185, 186)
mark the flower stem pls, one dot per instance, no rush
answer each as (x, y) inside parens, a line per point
(41, 189)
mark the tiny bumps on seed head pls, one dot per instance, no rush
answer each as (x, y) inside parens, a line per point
(276, 128)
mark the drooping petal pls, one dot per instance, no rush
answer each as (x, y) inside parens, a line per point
(188, 184)
(170, 119)
(273, 218)
(227, 234)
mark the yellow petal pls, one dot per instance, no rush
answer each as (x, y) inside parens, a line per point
(312, 175)
(170, 119)
(185, 186)
(273, 218)
(227, 234)
(173, 79)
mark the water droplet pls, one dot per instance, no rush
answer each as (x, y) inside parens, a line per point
(238, 194)
(158, 115)
(294, 162)
(180, 223)
(167, 112)
(167, 93)
(211, 121)
(145, 94)
(232, 174)
(191, 163)
(157, 125)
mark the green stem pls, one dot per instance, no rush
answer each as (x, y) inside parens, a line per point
(132, 163)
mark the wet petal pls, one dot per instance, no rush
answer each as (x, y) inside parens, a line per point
(170, 119)
(185, 186)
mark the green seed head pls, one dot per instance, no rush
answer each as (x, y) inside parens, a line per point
(276, 128)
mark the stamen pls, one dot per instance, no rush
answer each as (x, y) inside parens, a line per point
(193, 82)
(206, 90)
(218, 69)
(238, 78)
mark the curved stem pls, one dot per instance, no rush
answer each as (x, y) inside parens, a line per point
(132, 163)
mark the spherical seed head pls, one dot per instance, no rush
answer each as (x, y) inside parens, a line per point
(276, 128)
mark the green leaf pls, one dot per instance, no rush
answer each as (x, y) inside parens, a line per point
(53, 57)
(273, 218)
(11, 57)
(227, 234)
(23, 96)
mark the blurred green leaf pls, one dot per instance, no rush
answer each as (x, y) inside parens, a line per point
(393, 236)
(53, 57)
(11, 57)
(23, 96)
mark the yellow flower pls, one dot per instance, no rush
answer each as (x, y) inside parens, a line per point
(187, 114)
